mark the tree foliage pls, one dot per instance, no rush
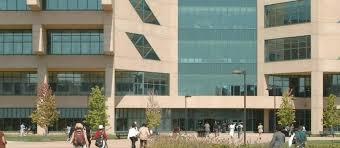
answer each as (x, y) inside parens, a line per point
(46, 112)
(97, 114)
(286, 112)
(153, 112)
(330, 113)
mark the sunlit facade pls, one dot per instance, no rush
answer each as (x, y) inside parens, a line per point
(182, 50)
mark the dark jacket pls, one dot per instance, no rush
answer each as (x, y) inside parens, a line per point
(278, 140)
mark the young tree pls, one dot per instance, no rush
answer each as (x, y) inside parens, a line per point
(330, 114)
(46, 113)
(153, 111)
(286, 112)
(97, 108)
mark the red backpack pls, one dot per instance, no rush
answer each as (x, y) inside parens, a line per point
(79, 138)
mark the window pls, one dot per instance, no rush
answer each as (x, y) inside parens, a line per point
(144, 11)
(143, 46)
(294, 12)
(13, 5)
(75, 83)
(75, 42)
(300, 85)
(331, 84)
(15, 42)
(18, 83)
(140, 83)
(291, 48)
(73, 5)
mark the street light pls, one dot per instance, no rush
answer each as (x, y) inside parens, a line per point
(186, 113)
(243, 72)
(273, 88)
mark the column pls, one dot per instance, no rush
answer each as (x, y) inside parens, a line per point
(108, 34)
(35, 5)
(39, 38)
(42, 78)
(266, 114)
(110, 95)
(316, 102)
(107, 5)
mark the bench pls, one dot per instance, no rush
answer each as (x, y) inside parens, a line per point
(121, 134)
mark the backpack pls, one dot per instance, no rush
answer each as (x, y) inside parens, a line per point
(99, 141)
(79, 138)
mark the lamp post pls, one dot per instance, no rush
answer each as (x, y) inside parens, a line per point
(273, 88)
(243, 72)
(186, 113)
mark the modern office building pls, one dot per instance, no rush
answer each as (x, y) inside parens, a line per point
(183, 50)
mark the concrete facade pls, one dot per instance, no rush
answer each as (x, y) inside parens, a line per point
(119, 17)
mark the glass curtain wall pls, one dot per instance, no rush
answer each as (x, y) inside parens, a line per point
(68, 116)
(292, 48)
(13, 5)
(16, 42)
(18, 83)
(140, 83)
(300, 85)
(215, 38)
(75, 83)
(294, 12)
(72, 5)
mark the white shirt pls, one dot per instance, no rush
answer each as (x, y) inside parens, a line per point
(132, 132)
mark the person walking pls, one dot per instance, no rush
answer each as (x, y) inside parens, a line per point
(68, 131)
(291, 130)
(101, 137)
(217, 129)
(260, 130)
(239, 129)
(22, 129)
(3, 141)
(300, 137)
(144, 135)
(232, 129)
(207, 129)
(132, 135)
(88, 132)
(278, 139)
(79, 137)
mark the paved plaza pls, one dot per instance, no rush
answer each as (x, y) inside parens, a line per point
(124, 143)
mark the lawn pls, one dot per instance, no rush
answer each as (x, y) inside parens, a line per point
(183, 142)
(36, 138)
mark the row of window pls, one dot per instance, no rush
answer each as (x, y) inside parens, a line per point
(294, 12)
(68, 42)
(291, 48)
(12, 118)
(76, 42)
(54, 5)
(15, 42)
(175, 118)
(299, 85)
(141, 7)
(80, 83)
(141, 83)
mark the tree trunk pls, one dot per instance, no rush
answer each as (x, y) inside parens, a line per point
(42, 130)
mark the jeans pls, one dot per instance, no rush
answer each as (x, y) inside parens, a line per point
(143, 143)
(133, 141)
